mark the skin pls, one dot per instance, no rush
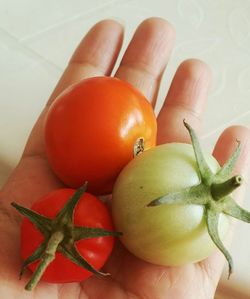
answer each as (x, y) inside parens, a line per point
(142, 65)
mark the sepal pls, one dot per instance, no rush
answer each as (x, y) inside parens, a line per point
(83, 232)
(225, 172)
(72, 254)
(36, 255)
(234, 210)
(212, 219)
(205, 171)
(42, 223)
(191, 195)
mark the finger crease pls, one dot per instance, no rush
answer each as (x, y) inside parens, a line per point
(142, 70)
(87, 64)
(180, 106)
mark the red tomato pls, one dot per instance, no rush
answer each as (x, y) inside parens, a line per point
(92, 128)
(89, 212)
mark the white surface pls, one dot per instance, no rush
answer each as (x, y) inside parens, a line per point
(38, 37)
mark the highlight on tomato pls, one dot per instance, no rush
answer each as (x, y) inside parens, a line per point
(173, 203)
(94, 128)
(65, 237)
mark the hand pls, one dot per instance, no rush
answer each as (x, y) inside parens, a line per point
(142, 65)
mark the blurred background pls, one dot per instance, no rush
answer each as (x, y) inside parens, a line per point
(38, 37)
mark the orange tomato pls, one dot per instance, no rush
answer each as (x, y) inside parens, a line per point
(92, 130)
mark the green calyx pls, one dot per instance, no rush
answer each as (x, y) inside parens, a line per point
(60, 235)
(213, 193)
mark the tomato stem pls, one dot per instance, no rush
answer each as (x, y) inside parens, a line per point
(220, 190)
(47, 257)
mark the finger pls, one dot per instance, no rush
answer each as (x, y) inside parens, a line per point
(227, 143)
(147, 55)
(223, 150)
(185, 100)
(95, 55)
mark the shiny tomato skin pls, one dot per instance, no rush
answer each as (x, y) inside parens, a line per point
(91, 129)
(170, 235)
(89, 212)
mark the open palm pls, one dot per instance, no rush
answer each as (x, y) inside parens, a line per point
(142, 65)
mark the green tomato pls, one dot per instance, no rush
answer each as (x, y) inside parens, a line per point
(173, 234)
